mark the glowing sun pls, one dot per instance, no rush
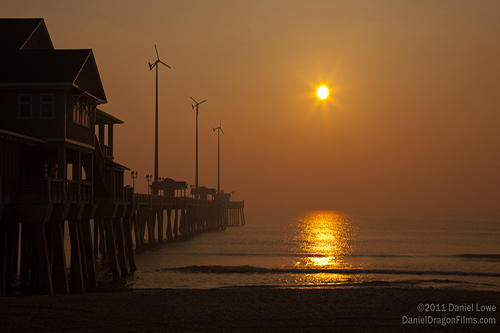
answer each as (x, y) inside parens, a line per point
(322, 92)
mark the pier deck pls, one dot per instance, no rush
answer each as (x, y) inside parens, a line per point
(32, 255)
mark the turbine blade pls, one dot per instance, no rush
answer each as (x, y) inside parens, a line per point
(193, 99)
(222, 130)
(164, 63)
(157, 56)
(202, 102)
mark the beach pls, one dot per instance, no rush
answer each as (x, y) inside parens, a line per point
(252, 309)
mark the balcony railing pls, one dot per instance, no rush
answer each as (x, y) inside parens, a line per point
(53, 190)
(56, 190)
(78, 192)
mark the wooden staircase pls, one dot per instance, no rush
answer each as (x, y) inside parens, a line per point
(101, 183)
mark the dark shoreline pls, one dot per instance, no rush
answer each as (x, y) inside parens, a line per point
(247, 309)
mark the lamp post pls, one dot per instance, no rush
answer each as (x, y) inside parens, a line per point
(134, 177)
(148, 179)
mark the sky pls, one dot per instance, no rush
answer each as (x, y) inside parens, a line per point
(412, 122)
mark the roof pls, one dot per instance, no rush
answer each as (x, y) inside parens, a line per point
(169, 184)
(202, 190)
(52, 67)
(108, 119)
(23, 33)
(114, 165)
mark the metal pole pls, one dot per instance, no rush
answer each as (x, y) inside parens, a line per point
(218, 161)
(196, 178)
(156, 134)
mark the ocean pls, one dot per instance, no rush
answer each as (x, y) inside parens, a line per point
(330, 249)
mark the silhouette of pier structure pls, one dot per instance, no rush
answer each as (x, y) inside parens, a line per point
(57, 171)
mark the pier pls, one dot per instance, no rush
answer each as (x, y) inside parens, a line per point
(57, 171)
(32, 234)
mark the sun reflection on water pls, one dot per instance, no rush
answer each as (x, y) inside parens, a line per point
(325, 238)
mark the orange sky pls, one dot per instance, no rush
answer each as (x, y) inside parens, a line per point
(413, 123)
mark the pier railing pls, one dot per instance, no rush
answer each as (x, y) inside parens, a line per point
(236, 204)
(165, 200)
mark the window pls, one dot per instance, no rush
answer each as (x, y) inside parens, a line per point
(46, 106)
(76, 110)
(85, 117)
(81, 111)
(25, 106)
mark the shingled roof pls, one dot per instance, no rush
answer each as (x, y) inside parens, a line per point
(169, 184)
(24, 34)
(52, 67)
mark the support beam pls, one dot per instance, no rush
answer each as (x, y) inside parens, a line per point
(77, 281)
(61, 284)
(26, 245)
(102, 240)
(120, 241)
(111, 248)
(43, 259)
(83, 259)
(159, 215)
(89, 254)
(3, 259)
(129, 245)
(135, 220)
(176, 224)
(169, 224)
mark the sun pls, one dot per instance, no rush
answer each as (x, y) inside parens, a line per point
(322, 92)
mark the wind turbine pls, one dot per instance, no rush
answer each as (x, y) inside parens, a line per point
(218, 129)
(196, 176)
(151, 66)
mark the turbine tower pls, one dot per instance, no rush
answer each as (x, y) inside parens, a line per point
(151, 66)
(196, 175)
(218, 129)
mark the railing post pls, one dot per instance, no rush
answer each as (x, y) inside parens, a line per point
(49, 190)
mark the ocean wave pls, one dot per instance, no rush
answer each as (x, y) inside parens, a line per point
(463, 256)
(381, 255)
(493, 257)
(246, 269)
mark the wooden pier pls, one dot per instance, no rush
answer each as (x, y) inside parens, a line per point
(32, 256)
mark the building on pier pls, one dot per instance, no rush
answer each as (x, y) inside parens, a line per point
(48, 99)
(203, 192)
(53, 166)
(170, 188)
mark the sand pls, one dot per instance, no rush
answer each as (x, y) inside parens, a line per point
(249, 309)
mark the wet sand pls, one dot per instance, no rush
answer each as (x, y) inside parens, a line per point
(249, 309)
